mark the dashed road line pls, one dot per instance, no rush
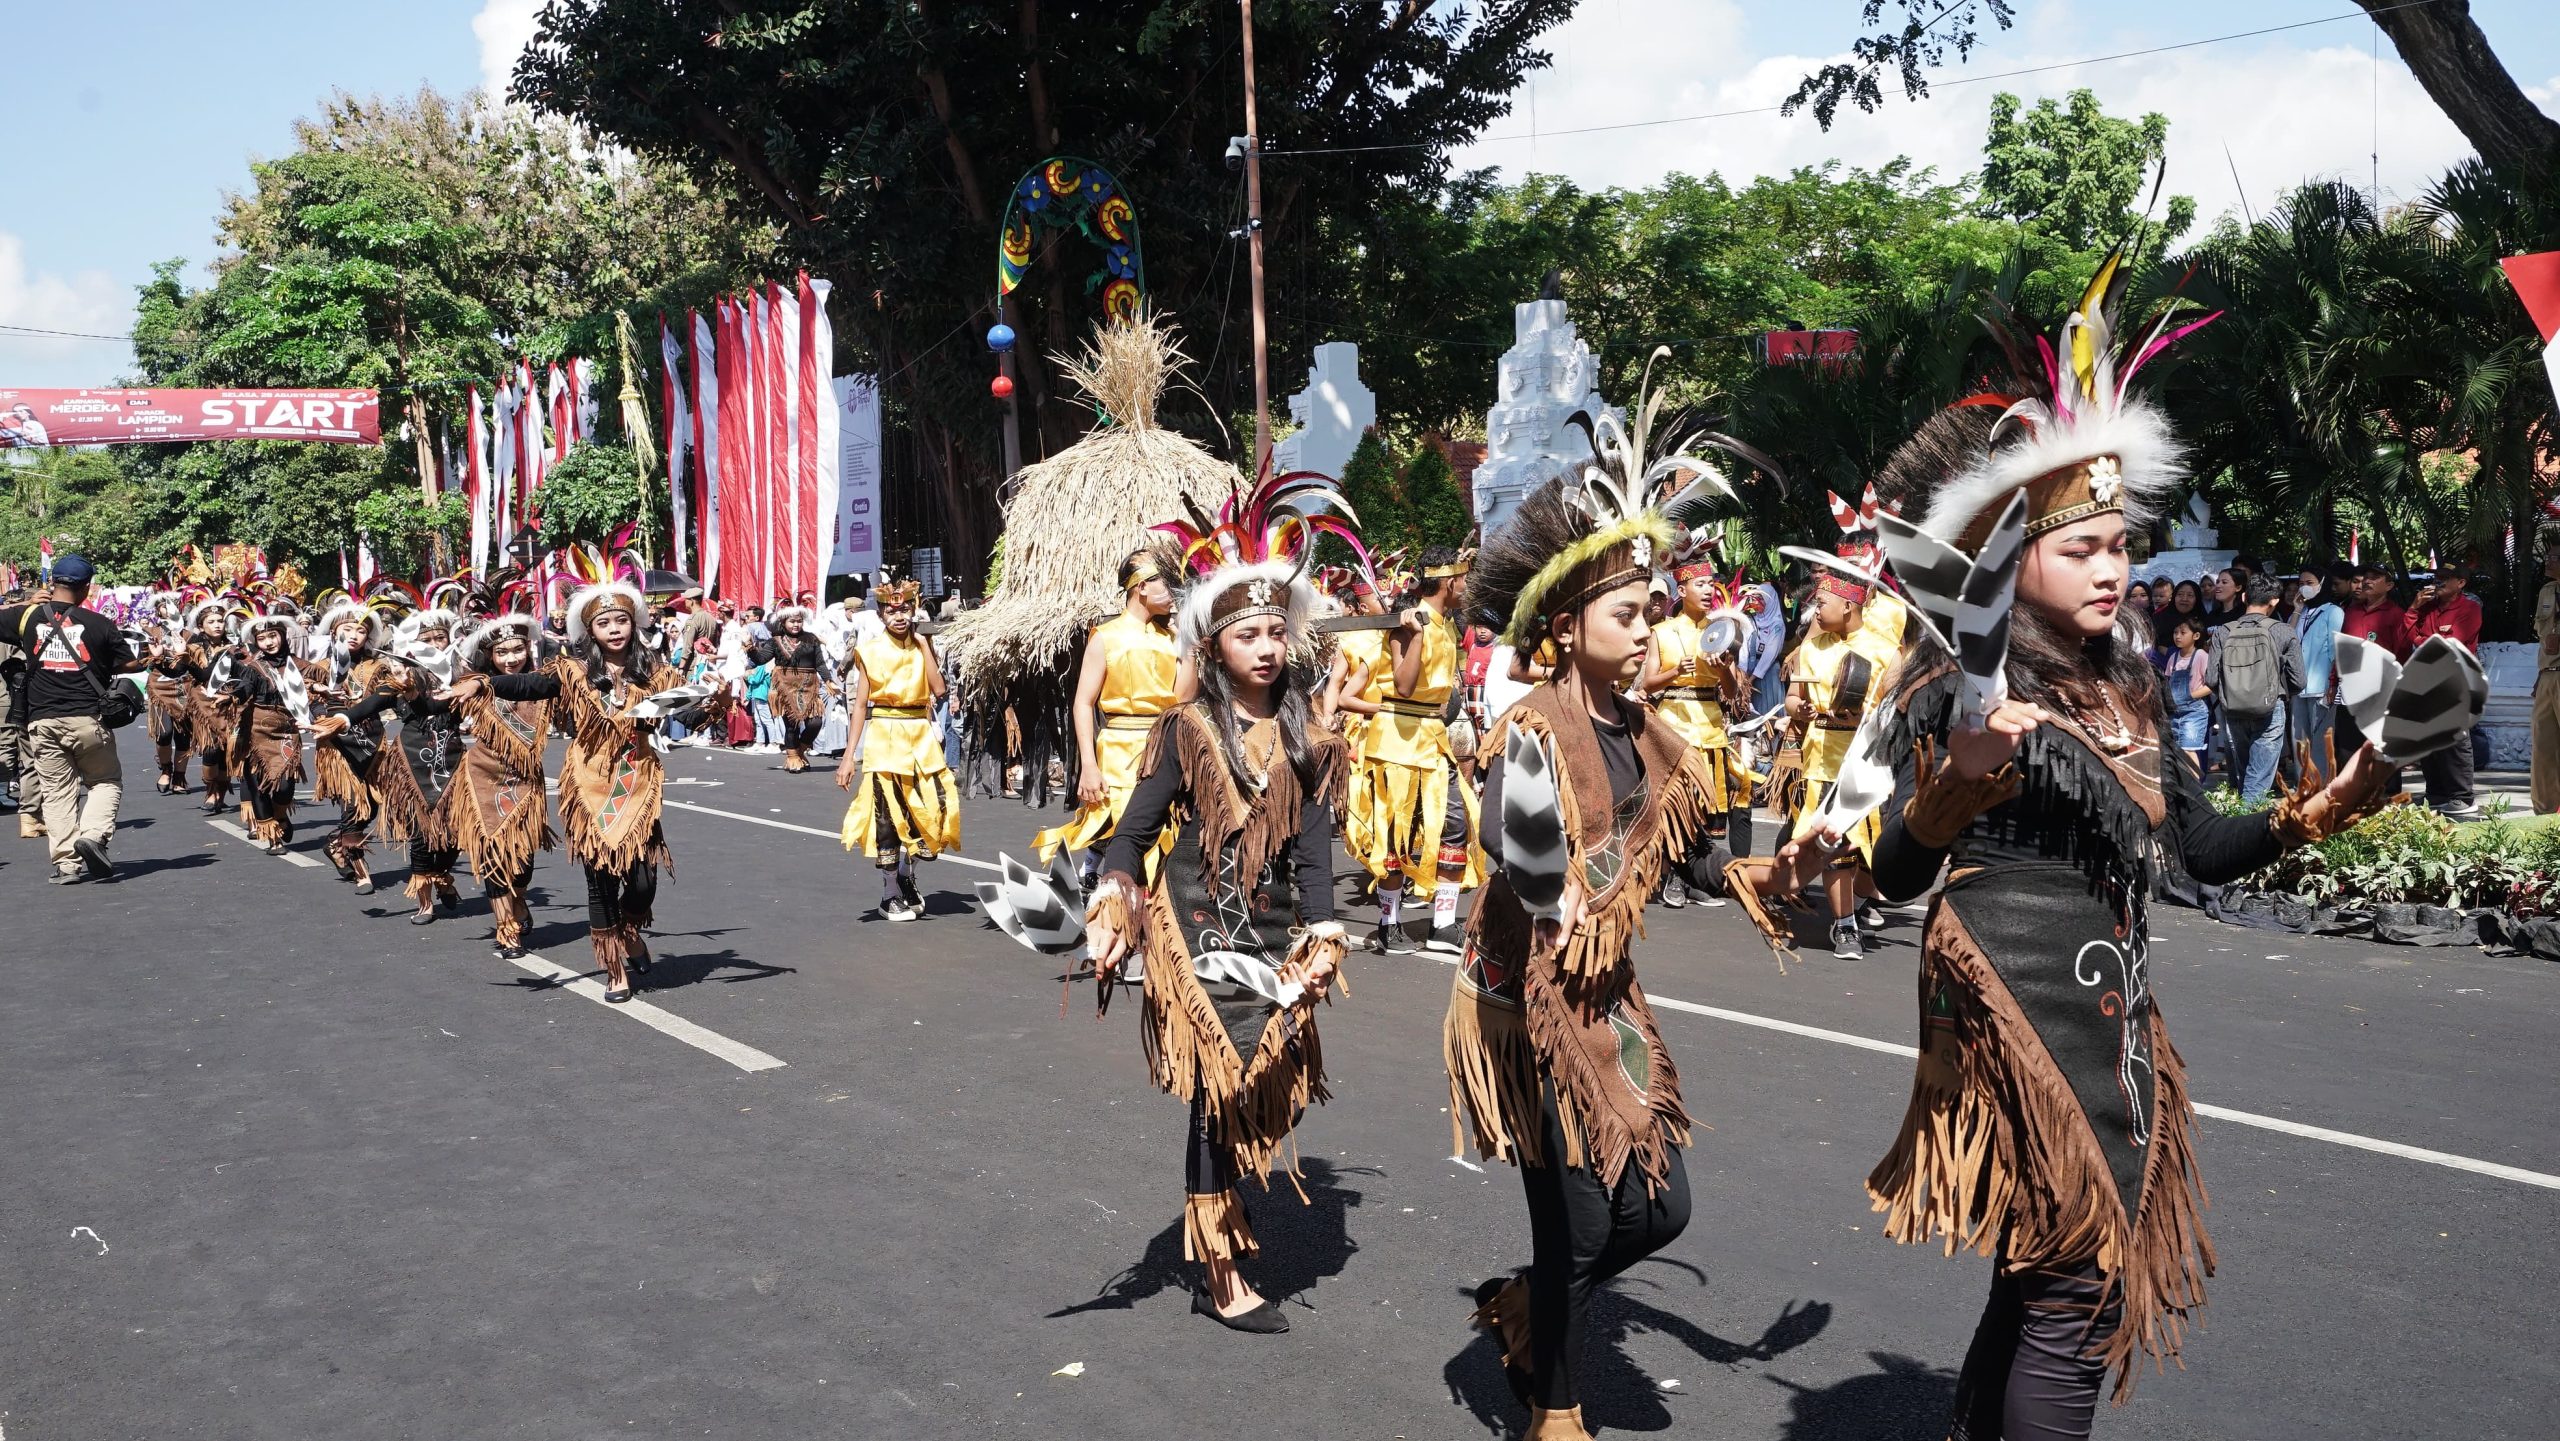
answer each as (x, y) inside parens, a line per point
(234, 830)
(736, 1053)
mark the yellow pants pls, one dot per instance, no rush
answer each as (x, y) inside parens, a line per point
(1403, 812)
(914, 813)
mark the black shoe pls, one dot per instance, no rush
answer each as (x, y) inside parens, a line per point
(1448, 940)
(275, 848)
(506, 952)
(94, 856)
(167, 789)
(615, 998)
(1391, 940)
(1516, 1377)
(1263, 1320)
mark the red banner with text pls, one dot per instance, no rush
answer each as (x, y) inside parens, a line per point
(30, 418)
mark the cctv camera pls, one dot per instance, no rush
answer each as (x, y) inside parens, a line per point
(1235, 152)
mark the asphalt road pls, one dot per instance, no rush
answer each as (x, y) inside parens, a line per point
(281, 1165)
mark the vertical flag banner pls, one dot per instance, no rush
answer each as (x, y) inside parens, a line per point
(760, 348)
(563, 409)
(857, 507)
(819, 436)
(585, 404)
(508, 435)
(737, 465)
(475, 483)
(530, 461)
(787, 468)
(672, 405)
(706, 448)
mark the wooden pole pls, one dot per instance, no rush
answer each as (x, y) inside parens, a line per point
(1253, 242)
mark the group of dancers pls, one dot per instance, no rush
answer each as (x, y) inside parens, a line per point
(1222, 753)
(1232, 721)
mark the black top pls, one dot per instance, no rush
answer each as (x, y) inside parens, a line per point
(1151, 806)
(57, 655)
(1617, 752)
(2071, 808)
(250, 678)
(787, 652)
(531, 685)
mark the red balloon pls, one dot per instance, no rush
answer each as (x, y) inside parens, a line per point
(1001, 387)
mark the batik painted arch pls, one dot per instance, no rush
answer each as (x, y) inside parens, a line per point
(1067, 192)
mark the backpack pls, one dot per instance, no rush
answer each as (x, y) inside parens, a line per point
(2252, 672)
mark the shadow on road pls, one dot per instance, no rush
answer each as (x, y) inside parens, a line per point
(128, 870)
(1614, 1392)
(1901, 1400)
(693, 968)
(1301, 1244)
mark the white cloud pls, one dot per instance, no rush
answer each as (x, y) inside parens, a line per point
(89, 301)
(504, 28)
(2287, 111)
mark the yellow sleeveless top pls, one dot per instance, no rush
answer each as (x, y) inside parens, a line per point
(1689, 703)
(1408, 730)
(1816, 666)
(1139, 667)
(900, 738)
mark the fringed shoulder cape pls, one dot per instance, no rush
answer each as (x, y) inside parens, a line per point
(1249, 874)
(350, 765)
(1521, 1018)
(2049, 1118)
(414, 768)
(497, 808)
(171, 691)
(266, 744)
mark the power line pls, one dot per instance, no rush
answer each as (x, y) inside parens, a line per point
(65, 334)
(1934, 85)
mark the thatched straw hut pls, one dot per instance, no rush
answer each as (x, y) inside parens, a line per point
(1070, 521)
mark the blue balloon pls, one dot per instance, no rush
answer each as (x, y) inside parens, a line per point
(1000, 338)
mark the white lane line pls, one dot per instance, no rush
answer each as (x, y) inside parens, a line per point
(232, 828)
(836, 836)
(2277, 1124)
(736, 1053)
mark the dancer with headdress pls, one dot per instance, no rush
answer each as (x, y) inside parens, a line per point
(412, 769)
(352, 635)
(1418, 829)
(2049, 1125)
(612, 691)
(497, 808)
(799, 688)
(170, 696)
(1691, 676)
(907, 807)
(272, 695)
(1235, 925)
(1554, 1060)
(213, 718)
(1132, 673)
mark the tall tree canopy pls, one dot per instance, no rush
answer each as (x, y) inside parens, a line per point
(885, 137)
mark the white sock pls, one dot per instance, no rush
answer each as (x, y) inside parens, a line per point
(1391, 907)
(1444, 907)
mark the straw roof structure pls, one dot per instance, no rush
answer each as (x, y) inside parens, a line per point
(1075, 515)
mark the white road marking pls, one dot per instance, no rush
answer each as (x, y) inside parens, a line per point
(232, 828)
(836, 836)
(2277, 1124)
(736, 1053)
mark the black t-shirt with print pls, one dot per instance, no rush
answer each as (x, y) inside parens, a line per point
(55, 656)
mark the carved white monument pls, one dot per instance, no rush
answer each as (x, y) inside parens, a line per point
(1331, 414)
(2193, 552)
(1546, 375)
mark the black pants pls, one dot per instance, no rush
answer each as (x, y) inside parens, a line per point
(427, 860)
(2351, 738)
(273, 805)
(1207, 1168)
(801, 735)
(616, 898)
(172, 749)
(1583, 1233)
(513, 885)
(2031, 1374)
(348, 838)
(2449, 775)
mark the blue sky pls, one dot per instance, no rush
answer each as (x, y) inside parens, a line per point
(127, 148)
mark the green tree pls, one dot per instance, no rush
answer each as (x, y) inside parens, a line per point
(1369, 483)
(593, 492)
(1430, 488)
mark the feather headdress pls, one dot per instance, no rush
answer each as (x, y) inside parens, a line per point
(2071, 432)
(377, 631)
(475, 647)
(1580, 536)
(1254, 558)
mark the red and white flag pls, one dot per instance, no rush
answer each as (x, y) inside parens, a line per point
(818, 437)
(740, 580)
(788, 463)
(532, 462)
(475, 483)
(563, 408)
(507, 434)
(706, 448)
(679, 436)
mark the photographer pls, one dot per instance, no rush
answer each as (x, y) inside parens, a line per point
(73, 655)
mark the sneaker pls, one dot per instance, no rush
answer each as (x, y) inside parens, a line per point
(1870, 918)
(507, 952)
(1392, 940)
(896, 908)
(93, 856)
(1845, 943)
(1711, 902)
(2462, 811)
(1445, 941)
(1674, 894)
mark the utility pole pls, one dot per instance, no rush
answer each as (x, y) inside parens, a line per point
(1253, 241)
